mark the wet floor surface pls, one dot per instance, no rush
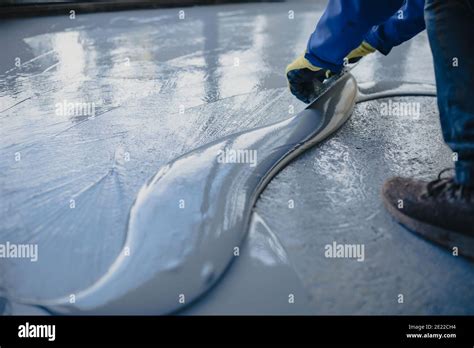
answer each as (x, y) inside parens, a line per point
(160, 86)
(335, 194)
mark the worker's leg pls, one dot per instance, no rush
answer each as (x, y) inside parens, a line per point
(404, 24)
(450, 27)
(443, 210)
(343, 27)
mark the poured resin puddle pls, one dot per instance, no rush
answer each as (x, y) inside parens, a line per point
(188, 220)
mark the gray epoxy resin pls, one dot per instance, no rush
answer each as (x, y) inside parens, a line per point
(190, 216)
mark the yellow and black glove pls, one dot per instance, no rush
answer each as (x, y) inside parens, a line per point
(357, 53)
(305, 79)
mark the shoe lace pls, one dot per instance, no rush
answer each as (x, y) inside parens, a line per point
(447, 186)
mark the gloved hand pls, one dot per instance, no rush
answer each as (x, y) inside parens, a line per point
(304, 79)
(357, 53)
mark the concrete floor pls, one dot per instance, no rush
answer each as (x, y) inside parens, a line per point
(163, 86)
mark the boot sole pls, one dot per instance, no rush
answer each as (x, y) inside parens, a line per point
(439, 235)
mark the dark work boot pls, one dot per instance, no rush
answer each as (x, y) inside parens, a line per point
(441, 210)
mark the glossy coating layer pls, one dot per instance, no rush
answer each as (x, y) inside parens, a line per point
(188, 219)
